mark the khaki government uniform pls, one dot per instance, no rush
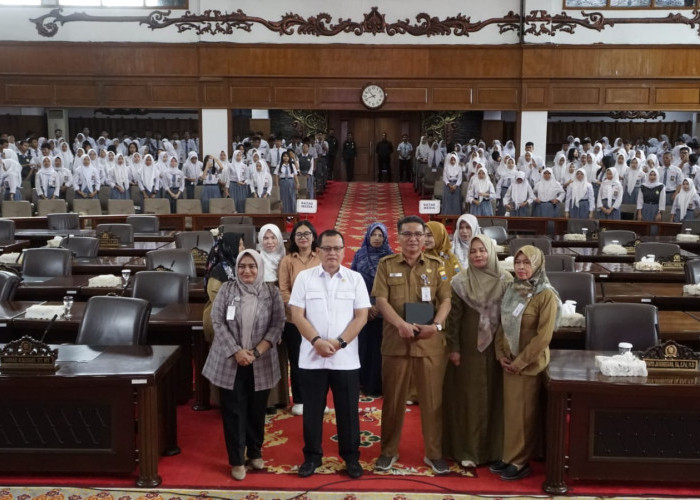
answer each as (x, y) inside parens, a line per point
(421, 361)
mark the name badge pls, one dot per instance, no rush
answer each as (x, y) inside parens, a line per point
(395, 275)
(518, 309)
(425, 294)
(231, 313)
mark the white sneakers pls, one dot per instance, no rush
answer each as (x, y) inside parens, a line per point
(298, 409)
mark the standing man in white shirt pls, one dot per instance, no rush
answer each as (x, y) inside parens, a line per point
(405, 150)
(329, 305)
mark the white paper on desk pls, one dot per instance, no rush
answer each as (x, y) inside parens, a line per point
(76, 353)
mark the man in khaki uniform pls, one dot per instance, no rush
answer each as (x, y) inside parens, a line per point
(412, 352)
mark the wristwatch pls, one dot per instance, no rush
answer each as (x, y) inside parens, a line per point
(343, 344)
(256, 353)
(438, 327)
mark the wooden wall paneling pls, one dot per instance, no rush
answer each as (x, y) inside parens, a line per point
(575, 97)
(492, 97)
(493, 129)
(251, 96)
(294, 96)
(461, 97)
(174, 94)
(631, 95)
(18, 93)
(76, 94)
(677, 96)
(122, 94)
(22, 126)
(402, 97)
(215, 95)
(339, 95)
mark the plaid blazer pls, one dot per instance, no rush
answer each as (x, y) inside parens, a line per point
(220, 367)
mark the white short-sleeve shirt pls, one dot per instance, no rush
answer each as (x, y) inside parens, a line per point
(330, 303)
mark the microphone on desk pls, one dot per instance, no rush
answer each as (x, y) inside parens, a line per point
(48, 327)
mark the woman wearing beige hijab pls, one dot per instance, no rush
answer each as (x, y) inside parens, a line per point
(473, 388)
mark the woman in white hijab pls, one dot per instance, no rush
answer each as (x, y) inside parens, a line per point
(509, 149)
(480, 192)
(507, 173)
(422, 153)
(466, 228)
(686, 202)
(237, 180)
(651, 200)
(118, 179)
(559, 165)
(192, 168)
(435, 158)
(87, 180)
(580, 201)
(631, 182)
(260, 182)
(66, 155)
(149, 178)
(47, 180)
(610, 196)
(452, 192)
(519, 197)
(652, 162)
(548, 195)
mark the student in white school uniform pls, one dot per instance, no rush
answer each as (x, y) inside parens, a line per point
(260, 182)
(211, 179)
(173, 181)
(519, 197)
(192, 169)
(237, 181)
(580, 201)
(47, 182)
(87, 180)
(329, 305)
(686, 203)
(631, 182)
(651, 201)
(480, 193)
(307, 166)
(610, 195)
(149, 178)
(65, 179)
(118, 179)
(549, 194)
(286, 179)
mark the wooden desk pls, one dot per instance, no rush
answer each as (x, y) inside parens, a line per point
(83, 417)
(618, 428)
(39, 237)
(13, 246)
(136, 249)
(174, 324)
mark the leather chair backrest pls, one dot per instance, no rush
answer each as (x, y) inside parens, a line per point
(59, 222)
(144, 223)
(7, 230)
(120, 207)
(544, 244)
(250, 235)
(177, 260)
(257, 206)
(194, 239)
(692, 271)
(45, 207)
(236, 219)
(47, 262)
(161, 289)
(81, 246)
(8, 285)
(125, 232)
(574, 226)
(156, 206)
(693, 225)
(609, 324)
(114, 321)
(492, 221)
(624, 237)
(496, 233)
(574, 286)
(655, 249)
(559, 262)
(87, 206)
(221, 206)
(188, 206)
(16, 209)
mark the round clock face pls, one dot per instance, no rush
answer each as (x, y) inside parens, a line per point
(373, 96)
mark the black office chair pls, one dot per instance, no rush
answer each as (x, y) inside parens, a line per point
(658, 250)
(114, 321)
(574, 286)
(194, 239)
(609, 324)
(544, 244)
(60, 222)
(81, 246)
(235, 219)
(492, 221)
(124, 232)
(559, 262)
(46, 262)
(692, 271)
(8, 285)
(177, 260)
(250, 235)
(625, 238)
(693, 225)
(161, 289)
(496, 233)
(7, 230)
(574, 226)
(144, 223)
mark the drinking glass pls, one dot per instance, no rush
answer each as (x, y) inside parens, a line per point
(126, 274)
(67, 306)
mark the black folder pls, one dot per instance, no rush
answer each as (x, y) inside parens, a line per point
(419, 313)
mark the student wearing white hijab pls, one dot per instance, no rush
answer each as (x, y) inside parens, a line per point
(452, 192)
(548, 195)
(591, 167)
(65, 180)
(686, 202)
(118, 179)
(47, 181)
(651, 200)
(652, 162)
(173, 182)
(260, 182)
(192, 168)
(509, 149)
(435, 157)
(610, 196)
(66, 155)
(559, 165)
(466, 228)
(87, 180)
(149, 178)
(580, 201)
(235, 180)
(480, 192)
(519, 197)
(632, 181)
(506, 173)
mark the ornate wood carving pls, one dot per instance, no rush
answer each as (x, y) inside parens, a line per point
(634, 115)
(540, 22)
(307, 122)
(215, 22)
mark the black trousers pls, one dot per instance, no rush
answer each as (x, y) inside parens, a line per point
(384, 163)
(292, 339)
(243, 415)
(345, 385)
(405, 171)
(349, 168)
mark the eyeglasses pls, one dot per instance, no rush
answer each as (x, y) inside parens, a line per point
(331, 249)
(305, 234)
(409, 234)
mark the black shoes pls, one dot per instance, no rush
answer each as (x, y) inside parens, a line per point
(498, 467)
(308, 468)
(354, 469)
(512, 473)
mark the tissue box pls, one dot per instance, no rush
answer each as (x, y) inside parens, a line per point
(621, 365)
(691, 238)
(39, 311)
(55, 242)
(614, 250)
(105, 281)
(10, 258)
(691, 289)
(575, 320)
(574, 237)
(648, 266)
